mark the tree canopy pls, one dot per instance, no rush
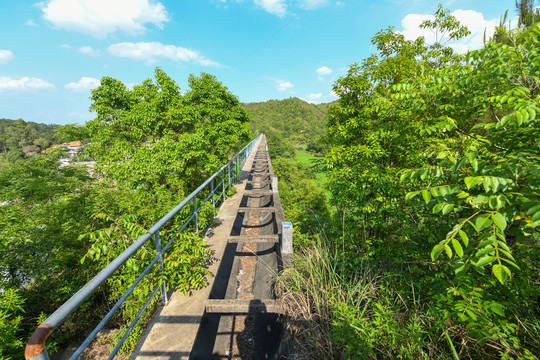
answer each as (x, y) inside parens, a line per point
(155, 136)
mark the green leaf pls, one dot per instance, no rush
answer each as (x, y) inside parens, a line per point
(464, 237)
(447, 208)
(471, 314)
(511, 263)
(501, 272)
(448, 251)
(497, 308)
(459, 268)
(438, 207)
(493, 202)
(471, 181)
(482, 222)
(486, 260)
(426, 195)
(532, 113)
(403, 176)
(533, 210)
(411, 194)
(437, 249)
(486, 250)
(457, 248)
(504, 120)
(488, 183)
(499, 220)
(463, 195)
(474, 164)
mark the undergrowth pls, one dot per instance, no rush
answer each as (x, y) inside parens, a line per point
(376, 311)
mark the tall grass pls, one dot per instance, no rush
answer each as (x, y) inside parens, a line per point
(338, 313)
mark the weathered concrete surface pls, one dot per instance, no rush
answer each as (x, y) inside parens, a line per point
(173, 328)
(243, 320)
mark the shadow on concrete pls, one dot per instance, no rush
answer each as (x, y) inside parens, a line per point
(261, 337)
(223, 275)
(273, 249)
(262, 334)
(262, 186)
(267, 223)
(263, 201)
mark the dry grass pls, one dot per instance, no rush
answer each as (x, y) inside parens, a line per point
(310, 290)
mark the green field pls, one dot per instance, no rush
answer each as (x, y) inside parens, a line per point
(314, 161)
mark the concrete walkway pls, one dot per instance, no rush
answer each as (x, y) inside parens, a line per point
(247, 224)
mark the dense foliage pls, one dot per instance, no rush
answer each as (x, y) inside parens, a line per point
(19, 138)
(460, 135)
(61, 225)
(292, 119)
(138, 135)
(305, 203)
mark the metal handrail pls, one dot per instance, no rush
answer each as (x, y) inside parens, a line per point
(36, 347)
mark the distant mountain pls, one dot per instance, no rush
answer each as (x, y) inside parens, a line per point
(18, 134)
(294, 119)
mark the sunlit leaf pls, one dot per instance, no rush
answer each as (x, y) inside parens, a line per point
(501, 272)
(499, 220)
(486, 260)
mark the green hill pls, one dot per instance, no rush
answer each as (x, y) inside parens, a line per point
(20, 137)
(294, 119)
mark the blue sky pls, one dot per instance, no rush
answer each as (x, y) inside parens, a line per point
(52, 53)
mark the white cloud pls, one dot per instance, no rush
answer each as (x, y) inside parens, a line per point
(30, 22)
(314, 97)
(87, 50)
(323, 70)
(84, 84)
(276, 7)
(65, 46)
(283, 85)
(5, 56)
(279, 7)
(102, 17)
(150, 51)
(24, 83)
(332, 93)
(312, 4)
(474, 21)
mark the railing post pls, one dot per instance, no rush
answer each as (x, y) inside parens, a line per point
(196, 215)
(212, 189)
(160, 261)
(223, 182)
(229, 172)
(286, 237)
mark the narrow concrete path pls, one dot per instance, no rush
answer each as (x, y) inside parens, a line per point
(234, 316)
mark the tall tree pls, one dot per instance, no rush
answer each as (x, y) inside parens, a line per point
(155, 136)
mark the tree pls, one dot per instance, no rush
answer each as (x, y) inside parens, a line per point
(71, 132)
(528, 13)
(154, 136)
